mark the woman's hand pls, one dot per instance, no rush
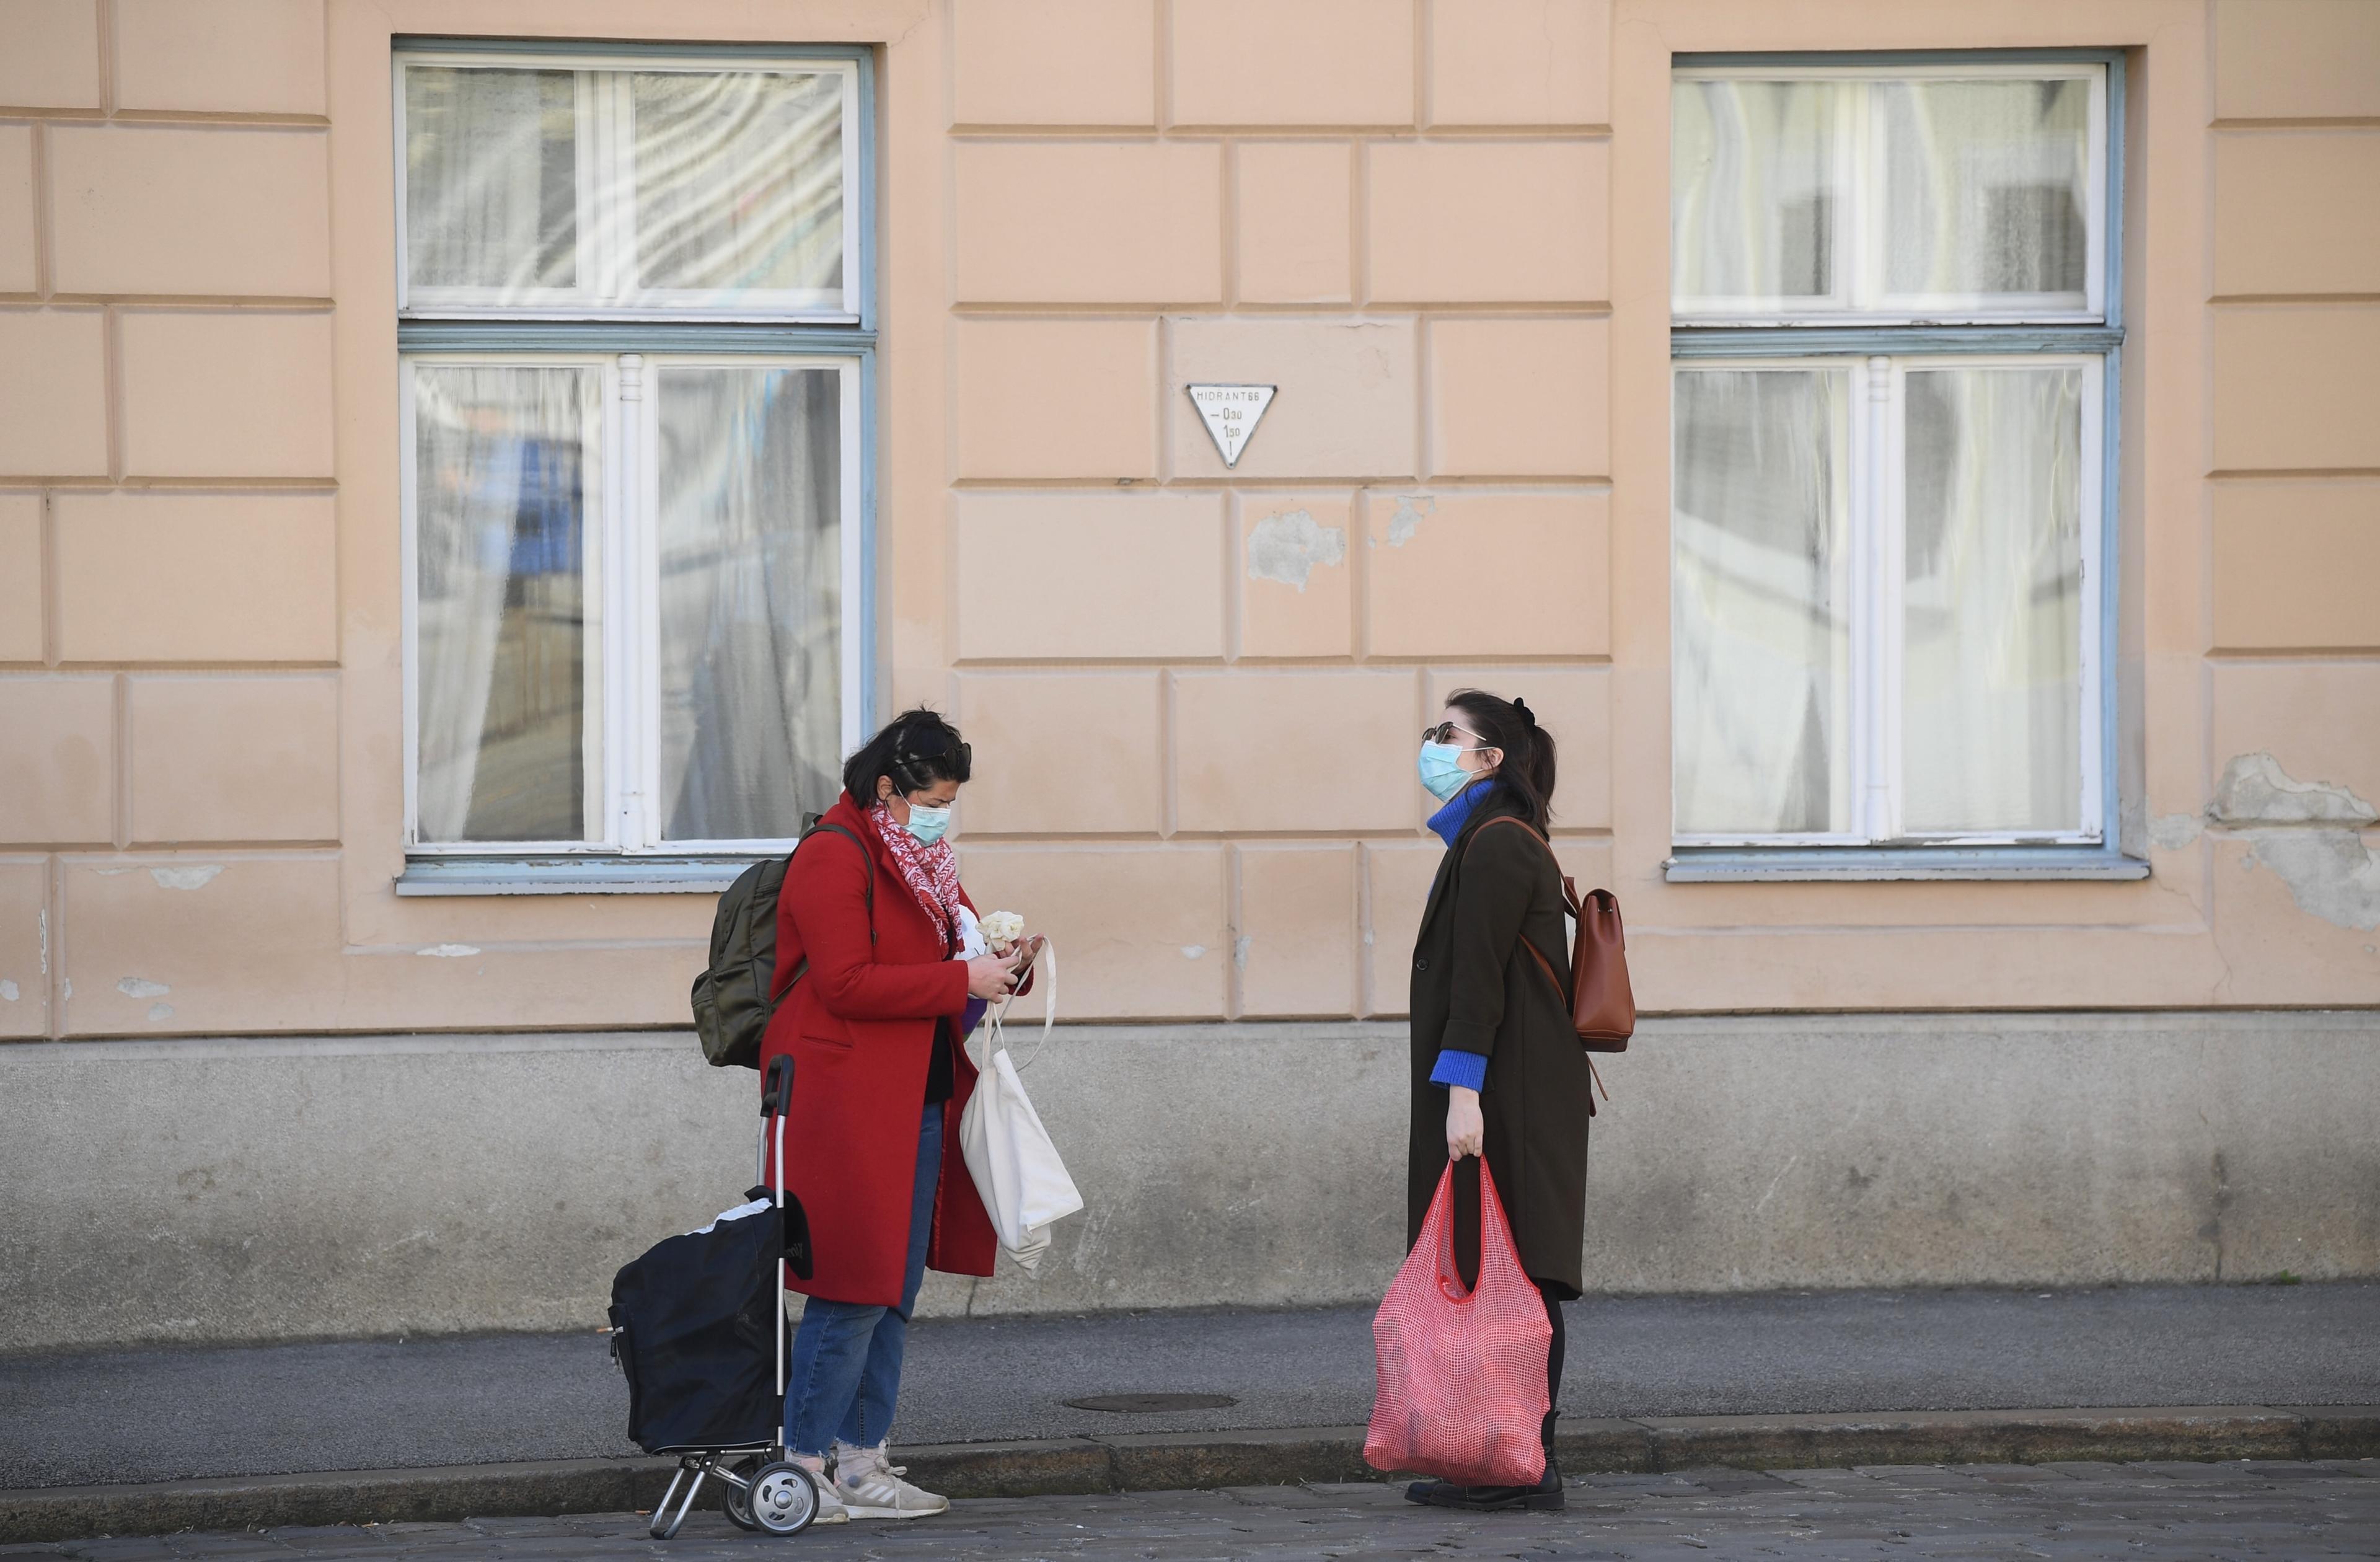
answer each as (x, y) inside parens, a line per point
(1467, 1131)
(991, 977)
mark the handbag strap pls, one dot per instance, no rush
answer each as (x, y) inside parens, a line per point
(1047, 954)
(1576, 909)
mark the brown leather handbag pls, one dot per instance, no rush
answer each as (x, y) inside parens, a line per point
(1602, 1005)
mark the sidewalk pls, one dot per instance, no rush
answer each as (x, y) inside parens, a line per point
(988, 1396)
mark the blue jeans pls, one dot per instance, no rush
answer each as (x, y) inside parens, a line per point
(845, 1372)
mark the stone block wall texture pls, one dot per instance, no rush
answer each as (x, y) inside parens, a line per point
(1436, 229)
(1437, 225)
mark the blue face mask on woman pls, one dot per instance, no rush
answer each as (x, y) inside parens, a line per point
(1441, 770)
(927, 823)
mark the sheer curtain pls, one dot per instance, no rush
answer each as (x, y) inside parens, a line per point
(1992, 608)
(739, 180)
(1760, 604)
(1751, 205)
(490, 178)
(1986, 187)
(503, 621)
(750, 532)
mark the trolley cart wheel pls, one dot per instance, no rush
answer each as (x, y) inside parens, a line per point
(738, 1478)
(783, 1501)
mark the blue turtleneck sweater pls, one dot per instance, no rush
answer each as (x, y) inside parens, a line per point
(1468, 1069)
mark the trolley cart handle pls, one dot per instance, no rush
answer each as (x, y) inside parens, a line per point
(776, 1096)
(776, 1099)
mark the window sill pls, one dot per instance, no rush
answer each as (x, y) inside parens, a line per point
(1817, 864)
(570, 875)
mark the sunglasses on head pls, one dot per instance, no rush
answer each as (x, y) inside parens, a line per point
(934, 743)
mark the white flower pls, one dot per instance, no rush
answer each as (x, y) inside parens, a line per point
(1001, 928)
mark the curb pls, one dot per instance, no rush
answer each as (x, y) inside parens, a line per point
(1173, 1461)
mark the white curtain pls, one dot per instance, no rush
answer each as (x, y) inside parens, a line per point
(1751, 189)
(1760, 541)
(504, 677)
(1986, 187)
(491, 185)
(750, 681)
(1992, 678)
(739, 180)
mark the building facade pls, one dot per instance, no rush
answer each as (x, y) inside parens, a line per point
(469, 471)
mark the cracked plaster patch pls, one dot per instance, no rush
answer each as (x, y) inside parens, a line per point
(141, 987)
(1406, 518)
(2171, 832)
(450, 951)
(2255, 791)
(2308, 833)
(1287, 547)
(185, 878)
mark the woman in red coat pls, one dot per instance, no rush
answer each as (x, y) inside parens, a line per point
(873, 979)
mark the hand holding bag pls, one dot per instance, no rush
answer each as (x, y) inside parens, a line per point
(1462, 1375)
(1016, 1170)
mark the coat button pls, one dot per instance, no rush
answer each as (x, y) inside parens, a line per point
(1422, 964)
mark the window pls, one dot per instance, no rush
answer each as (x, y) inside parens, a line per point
(1894, 341)
(634, 324)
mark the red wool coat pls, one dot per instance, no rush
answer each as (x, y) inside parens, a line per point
(859, 1026)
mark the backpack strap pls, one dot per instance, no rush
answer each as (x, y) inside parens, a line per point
(866, 868)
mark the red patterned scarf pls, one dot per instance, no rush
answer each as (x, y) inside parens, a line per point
(930, 871)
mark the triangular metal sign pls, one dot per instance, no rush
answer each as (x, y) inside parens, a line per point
(1231, 414)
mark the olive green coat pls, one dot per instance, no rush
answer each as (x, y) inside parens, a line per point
(1475, 988)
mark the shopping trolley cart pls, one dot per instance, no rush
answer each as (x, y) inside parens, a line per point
(698, 1326)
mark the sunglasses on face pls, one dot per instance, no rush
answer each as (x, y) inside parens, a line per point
(1444, 732)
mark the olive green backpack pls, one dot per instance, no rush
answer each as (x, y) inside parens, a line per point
(732, 1001)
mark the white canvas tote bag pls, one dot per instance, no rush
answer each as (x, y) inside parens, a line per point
(1015, 1168)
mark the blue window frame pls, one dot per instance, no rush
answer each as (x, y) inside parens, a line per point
(636, 320)
(1896, 327)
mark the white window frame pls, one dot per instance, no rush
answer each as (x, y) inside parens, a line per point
(623, 723)
(606, 172)
(1916, 333)
(1860, 175)
(1878, 440)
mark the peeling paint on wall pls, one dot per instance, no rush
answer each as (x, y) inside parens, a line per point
(2309, 833)
(1193, 951)
(7, 991)
(2171, 832)
(1239, 947)
(450, 951)
(2256, 790)
(1406, 518)
(185, 878)
(1287, 546)
(161, 1012)
(139, 987)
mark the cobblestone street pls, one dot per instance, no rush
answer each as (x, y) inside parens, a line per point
(2196, 1511)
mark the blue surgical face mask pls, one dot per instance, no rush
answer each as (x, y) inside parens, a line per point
(1441, 770)
(927, 823)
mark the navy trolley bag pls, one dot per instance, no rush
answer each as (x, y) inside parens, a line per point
(698, 1328)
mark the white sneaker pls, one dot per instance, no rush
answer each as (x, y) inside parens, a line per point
(830, 1509)
(870, 1488)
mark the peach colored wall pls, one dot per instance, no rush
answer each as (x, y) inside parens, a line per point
(1438, 226)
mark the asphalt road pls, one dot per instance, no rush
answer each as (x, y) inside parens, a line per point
(2141, 1512)
(168, 1413)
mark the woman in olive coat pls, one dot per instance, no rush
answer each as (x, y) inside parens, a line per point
(1497, 1065)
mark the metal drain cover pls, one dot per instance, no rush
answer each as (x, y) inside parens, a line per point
(1145, 1403)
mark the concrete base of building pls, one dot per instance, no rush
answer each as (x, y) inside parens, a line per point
(280, 1188)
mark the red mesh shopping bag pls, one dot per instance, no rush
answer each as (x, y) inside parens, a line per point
(1461, 1375)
